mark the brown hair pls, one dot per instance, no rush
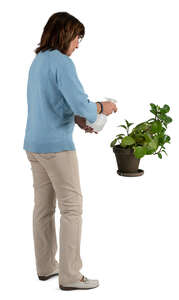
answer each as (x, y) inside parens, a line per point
(60, 29)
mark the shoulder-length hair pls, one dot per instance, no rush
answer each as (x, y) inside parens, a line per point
(60, 29)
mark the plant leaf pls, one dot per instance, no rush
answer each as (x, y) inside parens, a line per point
(113, 142)
(139, 152)
(127, 141)
(122, 126)
(159, 155)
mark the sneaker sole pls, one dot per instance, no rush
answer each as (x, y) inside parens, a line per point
(67, 288)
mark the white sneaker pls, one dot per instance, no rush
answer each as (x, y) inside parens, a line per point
(82, 284)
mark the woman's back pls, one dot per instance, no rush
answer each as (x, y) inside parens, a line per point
(54, 94)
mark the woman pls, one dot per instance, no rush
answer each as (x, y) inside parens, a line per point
(56, 101)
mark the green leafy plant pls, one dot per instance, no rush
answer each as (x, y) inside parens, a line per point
(147, 137)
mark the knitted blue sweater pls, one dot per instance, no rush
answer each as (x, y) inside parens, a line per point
(54, 96)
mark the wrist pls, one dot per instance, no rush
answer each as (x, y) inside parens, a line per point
(99, 107)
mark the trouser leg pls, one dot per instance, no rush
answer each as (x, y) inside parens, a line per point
(44, 233)
(62, 169)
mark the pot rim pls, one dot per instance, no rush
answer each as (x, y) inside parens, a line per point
(118, 148)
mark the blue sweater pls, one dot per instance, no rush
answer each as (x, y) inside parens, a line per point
(54, 96)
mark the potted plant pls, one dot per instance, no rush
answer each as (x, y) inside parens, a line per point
(146, 138)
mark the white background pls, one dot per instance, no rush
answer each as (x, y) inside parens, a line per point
(130, 231)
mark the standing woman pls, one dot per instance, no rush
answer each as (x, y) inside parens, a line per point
(56, 101)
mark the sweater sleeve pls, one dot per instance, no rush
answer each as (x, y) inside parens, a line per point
(71, 88)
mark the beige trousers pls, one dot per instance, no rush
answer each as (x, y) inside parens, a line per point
(56, 176)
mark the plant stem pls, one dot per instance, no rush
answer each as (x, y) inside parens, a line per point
(158, 151)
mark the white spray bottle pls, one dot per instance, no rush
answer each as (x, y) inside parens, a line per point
(101, 118)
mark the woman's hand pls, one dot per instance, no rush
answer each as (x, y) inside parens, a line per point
(81, 122)
(90, 129)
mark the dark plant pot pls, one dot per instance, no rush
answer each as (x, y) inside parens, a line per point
(127, 162)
